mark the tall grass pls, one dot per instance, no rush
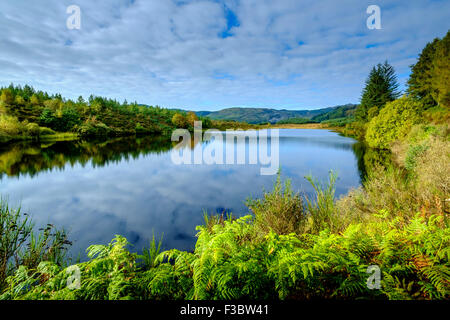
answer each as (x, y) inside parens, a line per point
(22, 245)
(321, 210)
(280, 210)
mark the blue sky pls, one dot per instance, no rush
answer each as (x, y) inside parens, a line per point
(211, 54)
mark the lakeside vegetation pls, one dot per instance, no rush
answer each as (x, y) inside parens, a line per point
(27, 114)
(291, 246)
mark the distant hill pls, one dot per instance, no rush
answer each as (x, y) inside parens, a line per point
(262, 115)
(338, 112)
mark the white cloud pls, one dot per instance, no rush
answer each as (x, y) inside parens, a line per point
(285, 53)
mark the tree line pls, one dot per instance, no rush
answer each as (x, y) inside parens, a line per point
(384, 115)
(28, 113)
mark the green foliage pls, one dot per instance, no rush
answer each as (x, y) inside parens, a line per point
(322, 213)
(342, 112)
(93, 128)
(420, 81)
(10, 125)
(430, 76)
(96, 117)
(139, 128)
(280, 210)
(381, 87)
(6, 96)
(33, 129)
(47, 118)
(441, 72)
(228, 264)
(272, 116)
(413, 152)
(339, 122)
(45, 131)
(150, 254)
(179, 121)
(20, 246)
(394, 122)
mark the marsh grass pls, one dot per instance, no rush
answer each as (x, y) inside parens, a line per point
(321, 210)
(280, 210)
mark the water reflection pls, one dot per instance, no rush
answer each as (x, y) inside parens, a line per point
(30, 158)
(129, 186)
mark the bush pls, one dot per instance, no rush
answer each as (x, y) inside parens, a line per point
(179, 121)
(69, 119)
(46, 131)
(21, 247)
(10, 125)
(394, 122)
(139, 128)
(33, 129)
(93, 127)
(48, 118)
(280, 210)
(7, 96)
(321, 211)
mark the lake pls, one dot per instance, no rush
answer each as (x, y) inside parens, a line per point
(131, 187)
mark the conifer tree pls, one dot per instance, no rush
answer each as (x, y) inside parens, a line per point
(440, 81)
(420, 81)
(381, 87)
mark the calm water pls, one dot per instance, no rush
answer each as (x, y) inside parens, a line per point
(131, 187)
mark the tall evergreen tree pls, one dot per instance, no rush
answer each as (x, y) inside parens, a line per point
(420, 81)
(381, 87)
(440, 81)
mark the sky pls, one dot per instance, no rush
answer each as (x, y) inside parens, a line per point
(213, 54)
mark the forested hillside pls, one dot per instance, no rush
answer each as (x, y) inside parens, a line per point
(26, 113)
(261, 115)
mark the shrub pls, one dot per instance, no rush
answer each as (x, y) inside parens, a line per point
(19, 245)
(46, 131)
(69, 119)
(10, 125)
(48, 118)
(432, 167)
(280, 210)
(413, 152)
(7, 96)
(228, 264)
(393, 122)
(33, 129)
(139, 128)
(179, 121)
(92, 127)
(321, 211)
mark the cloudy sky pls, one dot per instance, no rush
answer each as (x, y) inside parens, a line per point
(212, 54)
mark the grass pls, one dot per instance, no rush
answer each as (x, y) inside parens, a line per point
(22, 245)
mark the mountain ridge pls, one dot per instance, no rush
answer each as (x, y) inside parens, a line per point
(268, 115)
